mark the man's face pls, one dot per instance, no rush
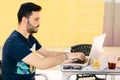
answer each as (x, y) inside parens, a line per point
(33, 23)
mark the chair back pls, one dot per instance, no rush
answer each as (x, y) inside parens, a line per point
(85, 48)
(0, 70)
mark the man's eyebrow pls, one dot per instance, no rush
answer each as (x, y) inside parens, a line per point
(37, 18)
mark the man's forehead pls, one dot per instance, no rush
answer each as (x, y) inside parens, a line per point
(35, 14)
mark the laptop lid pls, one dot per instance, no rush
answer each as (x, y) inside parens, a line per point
(97, 46)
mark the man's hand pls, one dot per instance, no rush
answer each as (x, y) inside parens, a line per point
(76, 56)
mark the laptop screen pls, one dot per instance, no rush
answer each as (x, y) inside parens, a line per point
(97, 46)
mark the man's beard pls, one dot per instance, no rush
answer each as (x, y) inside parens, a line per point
(31, 29)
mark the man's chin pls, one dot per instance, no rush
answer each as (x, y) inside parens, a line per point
(33, 32)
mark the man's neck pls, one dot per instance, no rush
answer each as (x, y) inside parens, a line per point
(23, 32)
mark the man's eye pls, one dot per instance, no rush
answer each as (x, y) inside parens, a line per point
(36, 19)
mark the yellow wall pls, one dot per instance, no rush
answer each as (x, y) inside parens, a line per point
(63, 22)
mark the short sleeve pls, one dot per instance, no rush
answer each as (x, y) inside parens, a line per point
(38, 45)
(19, 50)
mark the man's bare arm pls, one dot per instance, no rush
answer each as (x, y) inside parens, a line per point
(43, 63)
(70, 55)
(42, 51)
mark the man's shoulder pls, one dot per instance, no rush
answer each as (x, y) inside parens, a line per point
(14, 39)
(15, 36)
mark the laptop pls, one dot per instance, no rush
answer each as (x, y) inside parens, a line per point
(95, 51)
(97, 46)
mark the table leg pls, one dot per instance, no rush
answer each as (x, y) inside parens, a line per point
(66, 76)
(112, 77)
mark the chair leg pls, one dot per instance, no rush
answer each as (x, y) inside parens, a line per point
(43, 75)
(77, 77)
(105, 77)
(92, 75)
(96, 78)
(84, 76)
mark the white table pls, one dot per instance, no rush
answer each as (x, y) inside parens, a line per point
(89, 70)
(102, 71)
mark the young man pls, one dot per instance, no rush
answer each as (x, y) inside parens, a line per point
(21, 49)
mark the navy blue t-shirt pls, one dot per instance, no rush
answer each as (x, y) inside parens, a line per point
(15, 49)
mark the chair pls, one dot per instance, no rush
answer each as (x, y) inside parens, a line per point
(0, 70)
(39, 74)
(85, 48)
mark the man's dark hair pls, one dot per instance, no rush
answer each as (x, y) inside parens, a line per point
(26, 10)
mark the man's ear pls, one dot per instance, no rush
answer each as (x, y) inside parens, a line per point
(24, 20)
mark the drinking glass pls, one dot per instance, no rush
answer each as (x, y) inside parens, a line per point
(111, 62)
